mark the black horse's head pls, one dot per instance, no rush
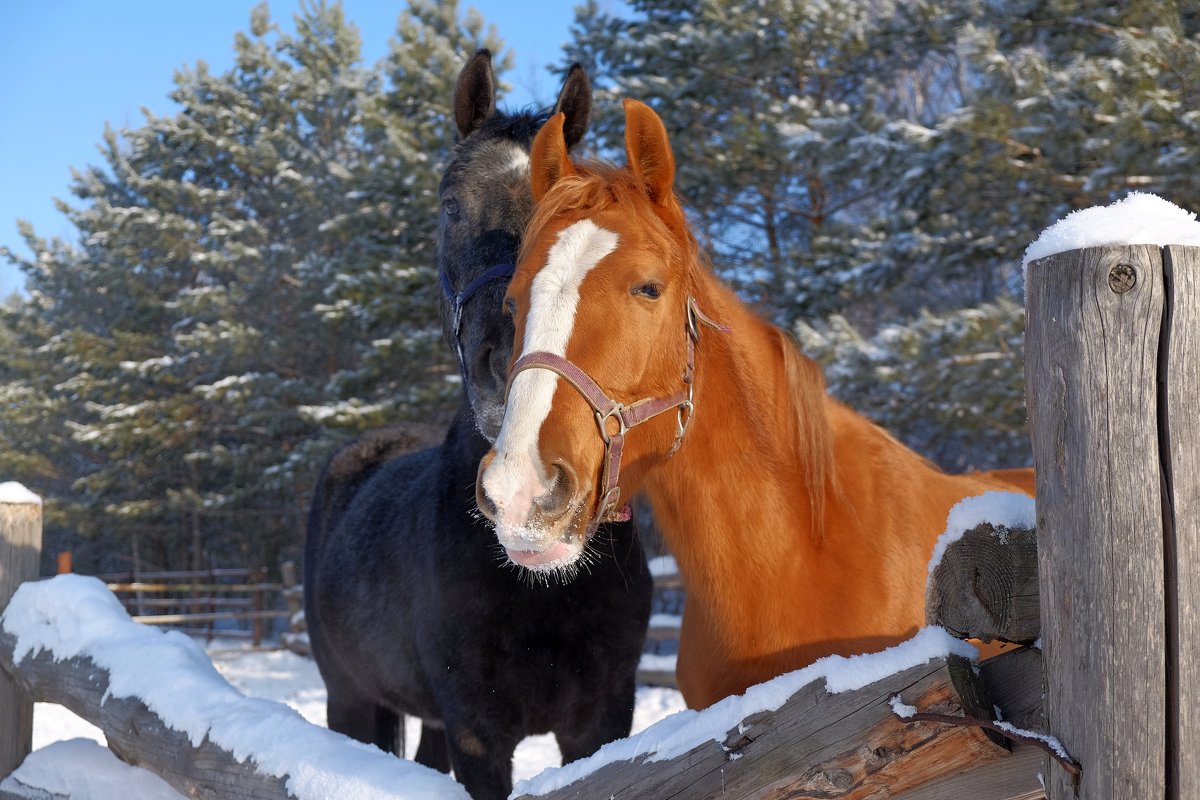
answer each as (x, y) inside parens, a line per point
(486, 203)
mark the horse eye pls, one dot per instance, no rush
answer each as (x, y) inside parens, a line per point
(450, 206)
(650, 290)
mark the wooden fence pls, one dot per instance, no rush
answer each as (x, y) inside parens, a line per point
(203, 602)
(1113, 381)
(1112, 375)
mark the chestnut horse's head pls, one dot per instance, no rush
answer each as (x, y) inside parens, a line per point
(601, 302)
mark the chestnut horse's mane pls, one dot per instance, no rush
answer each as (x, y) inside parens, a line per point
(596, 185)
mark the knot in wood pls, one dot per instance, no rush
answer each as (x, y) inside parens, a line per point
(1122, 278)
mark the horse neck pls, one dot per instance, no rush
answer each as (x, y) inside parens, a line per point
(742, 488)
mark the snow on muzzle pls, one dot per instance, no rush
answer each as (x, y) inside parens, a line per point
(536, 520)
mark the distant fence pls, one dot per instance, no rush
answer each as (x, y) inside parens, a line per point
(657, 667)
(234, 602)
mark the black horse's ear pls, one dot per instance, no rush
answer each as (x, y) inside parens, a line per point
(575, 102)
(475, 93)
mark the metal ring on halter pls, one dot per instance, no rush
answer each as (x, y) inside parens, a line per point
(692, 328)
(613, 413)
(682, 420)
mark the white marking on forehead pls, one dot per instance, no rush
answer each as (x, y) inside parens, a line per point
(520, 160)
(553, 301)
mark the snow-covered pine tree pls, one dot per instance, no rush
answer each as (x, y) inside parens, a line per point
(409, 122)
(241, 266)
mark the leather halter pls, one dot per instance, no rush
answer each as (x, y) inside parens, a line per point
(607, 410)
(458, 301)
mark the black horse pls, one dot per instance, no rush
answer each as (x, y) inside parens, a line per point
(409, 604)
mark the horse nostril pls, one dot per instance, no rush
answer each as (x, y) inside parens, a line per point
(556, 502)
(485, 504)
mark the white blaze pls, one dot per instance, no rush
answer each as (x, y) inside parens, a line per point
(515, 477)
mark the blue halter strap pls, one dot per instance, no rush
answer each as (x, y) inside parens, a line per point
(458, 301)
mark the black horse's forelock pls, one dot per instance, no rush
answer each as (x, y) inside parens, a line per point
(520, 126)
(517, 126)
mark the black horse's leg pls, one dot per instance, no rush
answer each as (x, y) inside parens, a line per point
(389, 731)
(611, 723)
(433, 751)
(486, 775)
(348, 713)
(481, 755)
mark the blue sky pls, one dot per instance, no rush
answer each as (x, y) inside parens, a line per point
(69, 66)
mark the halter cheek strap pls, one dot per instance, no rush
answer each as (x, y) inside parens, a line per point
(458, 301)
(609, 412)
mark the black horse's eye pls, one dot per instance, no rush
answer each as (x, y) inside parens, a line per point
(450, 206)
(650, 290)
(510, 306)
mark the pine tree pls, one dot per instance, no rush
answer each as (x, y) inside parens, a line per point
(252, 282)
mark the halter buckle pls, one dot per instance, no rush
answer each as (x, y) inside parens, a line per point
(602, 418)
(611, 500)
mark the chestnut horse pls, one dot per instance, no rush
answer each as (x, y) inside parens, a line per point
(801, 528)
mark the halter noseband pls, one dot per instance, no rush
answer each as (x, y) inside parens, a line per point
(625, 416)
(459, 301)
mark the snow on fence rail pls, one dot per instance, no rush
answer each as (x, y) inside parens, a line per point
(163, 706)
(1113, 382)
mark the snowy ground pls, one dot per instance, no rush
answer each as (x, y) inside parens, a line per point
(288, 678)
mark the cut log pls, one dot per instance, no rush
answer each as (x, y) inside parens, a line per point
(848, 745)
(986, 586)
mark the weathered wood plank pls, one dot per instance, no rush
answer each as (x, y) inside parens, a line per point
(1014, 777)
(1091, 363)
(135, 733)
(20, 549)
(986, 586)
(656, 677)
(1015, 682)
(821, 745)
(1181, 371)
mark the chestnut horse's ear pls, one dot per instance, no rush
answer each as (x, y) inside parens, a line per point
(475, 93)
(648, 151)
(575, 100)
(548, 160)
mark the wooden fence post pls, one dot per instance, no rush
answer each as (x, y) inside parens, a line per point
(1113, 384)
(20, 550)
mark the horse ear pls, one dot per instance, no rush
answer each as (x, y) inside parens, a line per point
(649, 151)
(475, 93)
(575, 101)
(548, 159)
